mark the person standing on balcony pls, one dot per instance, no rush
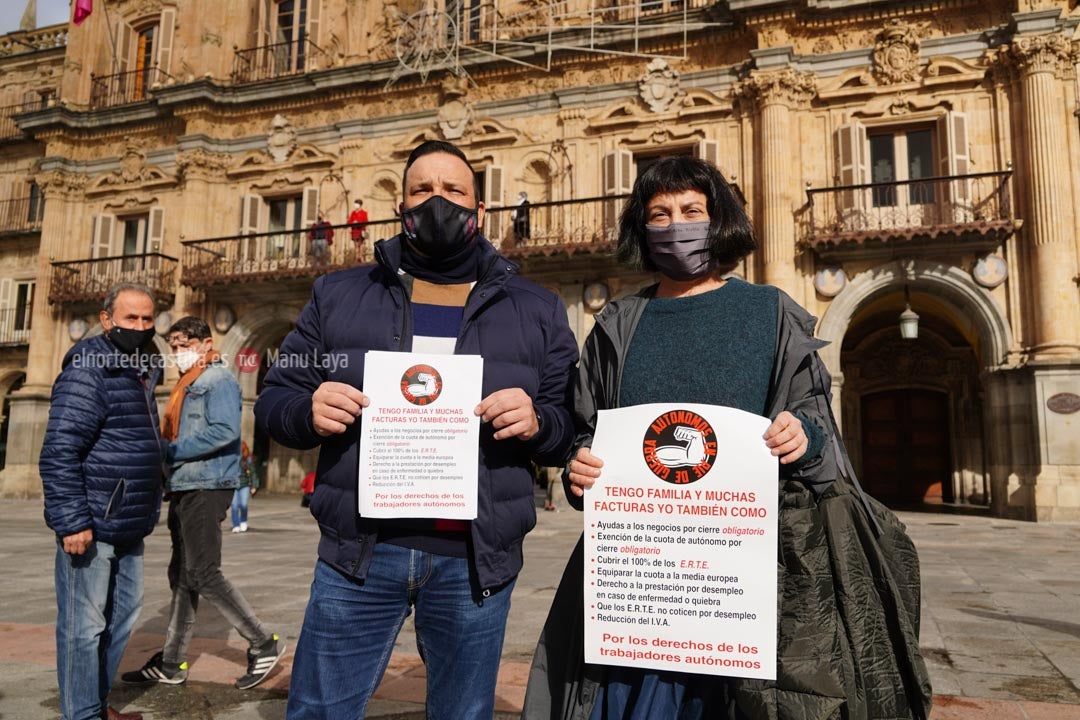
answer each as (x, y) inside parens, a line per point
(201, 436)
(321, 236)
(101, 474)
(520, 216)
(438, 287)
(358, 220)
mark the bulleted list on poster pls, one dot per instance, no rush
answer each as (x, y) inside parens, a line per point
(419, 438)
(680, 542)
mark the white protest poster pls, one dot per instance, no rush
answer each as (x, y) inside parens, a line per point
(680, 542)
(419, 440)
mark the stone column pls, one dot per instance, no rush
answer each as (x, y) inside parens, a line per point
(1047, 221)
(776, 94)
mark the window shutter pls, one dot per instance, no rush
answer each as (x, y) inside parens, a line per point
(617, 171)
(493, 198)
(155, 237)
(493, 186)
(314, 14)
(7, 309)
(262, 23)
(310, 210)
(955, 160)
(101, 242)
(709, 151)
(125, 41)
(166, 32)
(852, 168)
(249, 214)
(31, 100)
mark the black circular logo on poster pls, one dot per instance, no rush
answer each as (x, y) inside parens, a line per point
(679, 447)
(421, 384)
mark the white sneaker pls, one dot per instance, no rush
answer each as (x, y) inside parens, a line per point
(236, 529)
(243, 527)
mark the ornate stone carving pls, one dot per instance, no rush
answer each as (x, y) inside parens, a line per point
(896, 54)
(60, 184)
(202, 165)
(1040, 53)
(990, 271)
(659, 86)
(454, 112)
(830, 281)
(281, 140)
(134, 172)
(786, 87)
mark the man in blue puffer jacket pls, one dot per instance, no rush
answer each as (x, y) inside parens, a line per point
(439, 287)
(101, 472)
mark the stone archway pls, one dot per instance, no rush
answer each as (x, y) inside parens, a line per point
(964, 338)
(259, 330)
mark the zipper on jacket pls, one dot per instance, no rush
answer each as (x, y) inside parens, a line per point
(121, 488)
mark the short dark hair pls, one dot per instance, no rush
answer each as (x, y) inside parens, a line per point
(731, 236)
(109, 303)
(430, 147)
(191, 327)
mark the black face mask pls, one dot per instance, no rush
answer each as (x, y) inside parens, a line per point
(439, 233)
(130, 341)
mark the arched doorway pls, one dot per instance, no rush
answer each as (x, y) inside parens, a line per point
(260, 332)
(10, 384)
(912, 415)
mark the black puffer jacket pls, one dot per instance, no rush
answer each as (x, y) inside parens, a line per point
(847, 574)
(101, 459)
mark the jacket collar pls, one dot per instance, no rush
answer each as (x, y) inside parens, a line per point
(495, 269)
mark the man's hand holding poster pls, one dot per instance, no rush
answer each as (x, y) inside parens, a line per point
(680, 542)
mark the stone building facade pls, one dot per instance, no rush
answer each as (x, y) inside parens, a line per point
(893, 155)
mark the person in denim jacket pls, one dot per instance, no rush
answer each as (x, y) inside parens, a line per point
(201, 437)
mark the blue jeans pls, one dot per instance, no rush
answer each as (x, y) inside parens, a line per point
(98, 597)
(240, 504)
(350, 628)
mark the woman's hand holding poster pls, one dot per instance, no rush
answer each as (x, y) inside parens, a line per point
(680, 542)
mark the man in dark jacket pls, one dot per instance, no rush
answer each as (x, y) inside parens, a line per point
(101, 471)
(439, 287)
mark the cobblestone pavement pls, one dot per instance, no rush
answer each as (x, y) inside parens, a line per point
(1001, 618)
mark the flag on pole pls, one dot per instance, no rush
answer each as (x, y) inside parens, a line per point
(83, 8)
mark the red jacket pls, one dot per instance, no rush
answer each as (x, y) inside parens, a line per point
(358, 219)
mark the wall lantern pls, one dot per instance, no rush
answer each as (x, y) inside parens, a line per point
(224, 319)
(595, 296)
(77, 329)
(909, 320)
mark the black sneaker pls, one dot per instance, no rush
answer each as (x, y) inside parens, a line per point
(261, 662)
(156, 670)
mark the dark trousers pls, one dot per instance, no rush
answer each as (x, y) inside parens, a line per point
(195, 570)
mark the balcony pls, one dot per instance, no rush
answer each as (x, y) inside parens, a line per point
(124, 88)
(277, 256)
(86, 282)
(22, 215)
(15, 326)
(8, 129)
(269, 62)
(929, 215)
(565, 227)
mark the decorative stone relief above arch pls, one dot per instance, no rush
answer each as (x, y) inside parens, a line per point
(949, 283)
(659, 87)
(134, 174)
(896, 53)
(281, 140)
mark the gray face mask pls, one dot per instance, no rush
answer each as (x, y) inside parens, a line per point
(680, 250)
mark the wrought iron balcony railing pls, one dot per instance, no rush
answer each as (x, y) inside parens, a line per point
(22, 214)
(566, 226)
(8, 128)
(86, 282)
(281, 254)
(268, 62)
(543, 229)
(15, 326)
(126, 87)
(960, 206)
